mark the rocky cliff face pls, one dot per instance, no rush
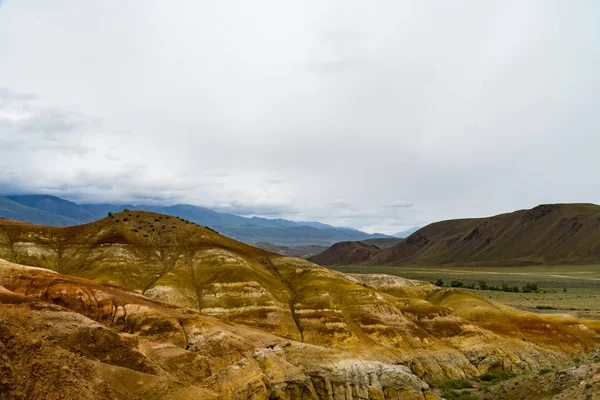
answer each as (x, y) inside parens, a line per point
(238, 322)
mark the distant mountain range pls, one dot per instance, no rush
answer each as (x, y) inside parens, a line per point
(51, 210)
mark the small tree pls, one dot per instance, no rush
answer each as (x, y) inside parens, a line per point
(483, 285)
(530, 288)
(439, 282)
(110, 215)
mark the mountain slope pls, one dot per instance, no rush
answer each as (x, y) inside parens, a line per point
(345, 253)
(437, 333)
(406, 233)
(383, 243)
(547, 234)
(55, 205)
(357, 252)
(14, 210)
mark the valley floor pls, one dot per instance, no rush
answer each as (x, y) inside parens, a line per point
(582, 284)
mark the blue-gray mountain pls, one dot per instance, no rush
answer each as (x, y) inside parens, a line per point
(51, 210)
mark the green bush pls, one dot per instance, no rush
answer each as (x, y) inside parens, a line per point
(457, 384)
(530, 287)
(450, 394)
(489, 377)
(492, 377)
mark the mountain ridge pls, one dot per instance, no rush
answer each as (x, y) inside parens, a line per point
(566, 233)
(278, 231)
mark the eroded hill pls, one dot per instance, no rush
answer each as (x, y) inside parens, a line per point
(325, 334)
(346, 253)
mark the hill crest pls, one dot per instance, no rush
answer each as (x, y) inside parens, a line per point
(546, 234)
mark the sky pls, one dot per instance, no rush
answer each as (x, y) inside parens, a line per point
(376, 115)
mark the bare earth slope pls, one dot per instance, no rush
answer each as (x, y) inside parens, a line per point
(565, 234)
(324, 334)
(345, 253)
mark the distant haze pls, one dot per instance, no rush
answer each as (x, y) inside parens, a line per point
(380, 116)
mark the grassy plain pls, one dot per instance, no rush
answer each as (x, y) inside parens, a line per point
(582, 284)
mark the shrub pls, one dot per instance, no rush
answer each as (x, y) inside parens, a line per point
(490, 377)
(545, 308)
(530, 288)
(439, 282)
(544, 371)
(456, 284)
(450, 394)
(110, 214)
(458, 384)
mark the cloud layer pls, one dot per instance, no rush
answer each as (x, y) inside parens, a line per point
(378, 117)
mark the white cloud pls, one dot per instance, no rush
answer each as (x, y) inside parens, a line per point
(346, 112)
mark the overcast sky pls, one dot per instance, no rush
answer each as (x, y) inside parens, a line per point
(378, 115)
